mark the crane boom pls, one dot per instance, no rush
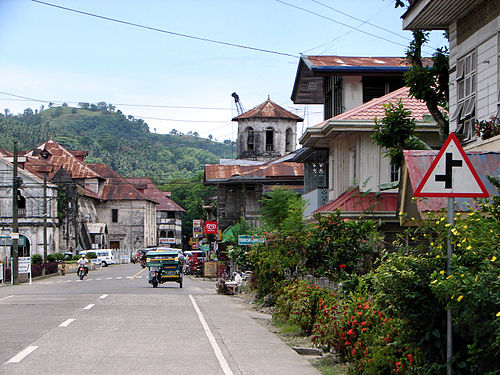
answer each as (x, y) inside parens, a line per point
(239, 107)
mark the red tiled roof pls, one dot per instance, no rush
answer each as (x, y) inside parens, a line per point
(374, 108)
(60, 157)
(149, 189)
(116, 187)
(268, 109)
(355, 201)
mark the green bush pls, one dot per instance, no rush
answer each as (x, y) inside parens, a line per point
(51, 258)
(59, 256)
(36, 259)
(76, 257)
(91, 255)
(298, 304)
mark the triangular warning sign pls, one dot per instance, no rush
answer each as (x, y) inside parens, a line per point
(451, 174)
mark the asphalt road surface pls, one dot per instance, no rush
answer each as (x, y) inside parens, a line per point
(114, 322)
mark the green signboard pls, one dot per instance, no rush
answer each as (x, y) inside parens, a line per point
(205, 247)
(249, 240)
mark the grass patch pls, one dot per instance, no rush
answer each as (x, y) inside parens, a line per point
(286, 328)
(328, 366)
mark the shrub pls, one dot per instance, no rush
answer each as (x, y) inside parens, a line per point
(488, 128)
(298, 304)
(51, 258)
(91, 255)
(59, 256)
(36, 259)
(76, 257)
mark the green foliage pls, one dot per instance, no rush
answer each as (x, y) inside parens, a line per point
(59, 256)
(396, 132)
(124, 143)
(298, 304)
(282, 209)
(76, 257)
(91, 255)
(191, 195)
(51, 258)
(335, 247)
(36, 259)
(488, 128)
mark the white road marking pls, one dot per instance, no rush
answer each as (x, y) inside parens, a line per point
(89, 279)
(137, 274)
(69, 281)
(118, 278)
(20, 356)
(4, 298)
(67, 322)
(103, 296)
(211, 338)
(109, 278)
(88, 307)
(139, 277)
(99, 278)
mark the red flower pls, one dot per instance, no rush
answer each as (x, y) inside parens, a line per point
(410, 358)
(342, 266)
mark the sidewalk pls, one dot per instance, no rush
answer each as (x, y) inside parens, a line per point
(249, 347)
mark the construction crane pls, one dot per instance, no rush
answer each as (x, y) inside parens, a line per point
(239, 107)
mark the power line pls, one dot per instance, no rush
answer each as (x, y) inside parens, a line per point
(166, 31)
(341, 23)
(25, 98)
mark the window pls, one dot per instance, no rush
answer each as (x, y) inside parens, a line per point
(375, 87)
(114, 215)
(394, 173)
(288, 140)
(21, 205)
(464, 114)
(269, 139)
(250, 139)
(170, 234)
(163, 234)
(171, 215)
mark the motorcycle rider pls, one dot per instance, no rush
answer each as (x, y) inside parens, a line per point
(83, 262)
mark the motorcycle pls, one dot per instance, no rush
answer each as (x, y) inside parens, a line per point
(81, 272)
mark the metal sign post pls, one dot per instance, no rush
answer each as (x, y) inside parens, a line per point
(451, 175)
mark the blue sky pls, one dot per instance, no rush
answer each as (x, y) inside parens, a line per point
(55, 55)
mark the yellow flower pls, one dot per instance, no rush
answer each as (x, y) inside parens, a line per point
(498, 313)
(432, 243)
(441, 272)
(475, 279)
(442, 219)
(449, 277)
(454, 231)
(460, 298)
(434, 282)
(469, 247)
(452, 297)
(447, 225)
(466, 226)
(438, 256)
(462, 275)
(465, 239)
(493, 258)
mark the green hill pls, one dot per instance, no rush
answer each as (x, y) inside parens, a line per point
(110, 137)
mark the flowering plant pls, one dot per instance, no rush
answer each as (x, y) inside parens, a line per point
(487, 129)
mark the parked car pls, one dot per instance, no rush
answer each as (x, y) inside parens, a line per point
(104, 256)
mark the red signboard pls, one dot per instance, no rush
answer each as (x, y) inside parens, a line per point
(210, 227)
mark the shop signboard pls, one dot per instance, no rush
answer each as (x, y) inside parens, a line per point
(210, 227)
(166, 240)
(249, 240)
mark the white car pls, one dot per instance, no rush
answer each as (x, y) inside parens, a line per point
(104, 256)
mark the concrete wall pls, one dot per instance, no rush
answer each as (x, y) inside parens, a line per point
(259, 127)
(136, 226)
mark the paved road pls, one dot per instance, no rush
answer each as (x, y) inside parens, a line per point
(114, 322)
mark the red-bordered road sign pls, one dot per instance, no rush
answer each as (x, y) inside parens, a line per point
(451, 174)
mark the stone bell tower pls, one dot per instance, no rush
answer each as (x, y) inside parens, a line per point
(266, 132)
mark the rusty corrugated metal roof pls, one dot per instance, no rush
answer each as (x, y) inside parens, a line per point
(419, 161)
(268, 109)
(356, 61)
(148, 188)
(356, 201)
(217, 172)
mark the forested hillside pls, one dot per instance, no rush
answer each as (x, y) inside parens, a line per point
(123, 142)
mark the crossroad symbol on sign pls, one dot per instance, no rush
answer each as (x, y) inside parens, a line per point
(451, 174)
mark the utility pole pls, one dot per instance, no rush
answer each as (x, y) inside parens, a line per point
(44, 222)
(15, 233)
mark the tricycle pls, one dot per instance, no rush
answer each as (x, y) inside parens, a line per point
(164, 265)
